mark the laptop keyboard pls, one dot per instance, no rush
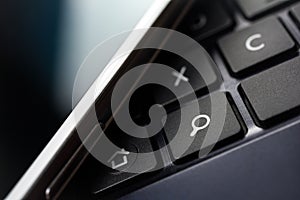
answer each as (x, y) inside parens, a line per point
(255, 8)
(232, 127)
(206, 21)
(245, 50)
(270, 99)
(255, 46)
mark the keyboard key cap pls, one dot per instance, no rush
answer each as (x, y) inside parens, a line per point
(275, 93)
(206, 19)
(249, 47)
(254, 8)
(295, 11)
(105, 177)
(232, 127)
(183, 75)
(122, 165)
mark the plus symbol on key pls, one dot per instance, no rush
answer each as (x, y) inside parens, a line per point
(180, 76)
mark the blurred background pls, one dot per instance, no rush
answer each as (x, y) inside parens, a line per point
(42, 44)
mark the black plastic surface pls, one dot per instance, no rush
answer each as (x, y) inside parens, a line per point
(274, 92)
(266, 168)
(249, 47)
(253, 8)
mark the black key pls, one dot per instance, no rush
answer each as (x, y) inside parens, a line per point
(274, 94)
(121, 159)
(95, 176)
(230, 129)
(128, 157)
(206, 19)
(253, 8)
(247, 48)
(183, 75)
(295, 11)
(105, 177)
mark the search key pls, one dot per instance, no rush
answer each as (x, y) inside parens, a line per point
(202, 126)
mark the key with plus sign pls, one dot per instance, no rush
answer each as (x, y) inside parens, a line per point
(183, 76)
(180, 76)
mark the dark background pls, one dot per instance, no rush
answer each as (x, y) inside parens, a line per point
(28, 118)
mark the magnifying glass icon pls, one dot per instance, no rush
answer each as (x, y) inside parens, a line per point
(199, 128)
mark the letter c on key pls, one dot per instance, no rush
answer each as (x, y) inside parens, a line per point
(249, 44)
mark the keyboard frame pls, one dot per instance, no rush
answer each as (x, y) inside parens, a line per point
(229, 85)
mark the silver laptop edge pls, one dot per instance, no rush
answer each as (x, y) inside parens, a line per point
(37, 168)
